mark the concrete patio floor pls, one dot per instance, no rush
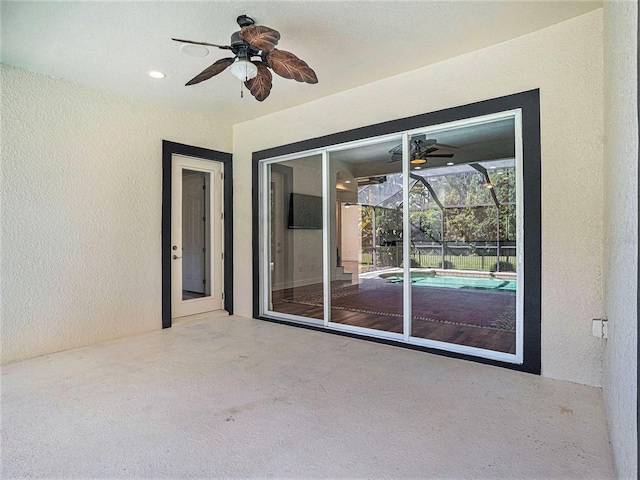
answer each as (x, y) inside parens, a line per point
(219, 396)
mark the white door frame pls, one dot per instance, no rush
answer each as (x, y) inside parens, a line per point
(215, 299)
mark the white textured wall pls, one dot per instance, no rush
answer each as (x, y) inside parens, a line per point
(621, 230)
(81, 211)
(565, 62)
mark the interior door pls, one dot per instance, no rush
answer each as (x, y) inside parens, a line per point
(196, 236)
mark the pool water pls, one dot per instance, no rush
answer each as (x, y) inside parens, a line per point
(472, 283)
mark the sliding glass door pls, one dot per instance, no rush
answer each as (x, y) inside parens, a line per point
(463, 216)
(414, 237)
(366, 237)
(293, 237)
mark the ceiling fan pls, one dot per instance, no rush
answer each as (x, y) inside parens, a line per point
(420, 149)
(254, 53)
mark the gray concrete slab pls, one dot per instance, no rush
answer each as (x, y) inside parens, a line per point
(239, 398)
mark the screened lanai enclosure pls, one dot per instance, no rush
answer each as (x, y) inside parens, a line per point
(461, 217)
(414, 237)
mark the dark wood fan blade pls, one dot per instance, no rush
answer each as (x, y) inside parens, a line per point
(430, 150)
(440, 155)
(260, 85)
(395, 150)
(209, 72)
(287, 65)
(413, 148)
(434, 142)
(224, 47)
(261, 37)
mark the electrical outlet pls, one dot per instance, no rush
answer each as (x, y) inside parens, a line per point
(599, 328)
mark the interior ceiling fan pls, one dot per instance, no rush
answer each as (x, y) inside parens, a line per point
(420, 149)
(254, 53)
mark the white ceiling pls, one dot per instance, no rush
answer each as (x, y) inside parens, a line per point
(110, 46)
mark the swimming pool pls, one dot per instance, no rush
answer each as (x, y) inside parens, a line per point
(471, 283)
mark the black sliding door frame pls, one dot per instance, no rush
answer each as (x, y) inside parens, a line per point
(529, 105)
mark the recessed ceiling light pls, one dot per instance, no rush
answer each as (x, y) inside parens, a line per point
(418, 168)
(347, 181)
(450, 163)
(194, 50)
(492, 168)
(156, 74)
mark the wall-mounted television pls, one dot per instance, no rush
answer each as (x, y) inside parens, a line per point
(305, 211)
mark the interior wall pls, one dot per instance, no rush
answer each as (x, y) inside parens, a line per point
(306, 245)
(81, 204)
(565, 62)
(337, 169)
(351, 234)
(621, 231)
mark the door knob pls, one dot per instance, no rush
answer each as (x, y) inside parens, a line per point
(175, 257)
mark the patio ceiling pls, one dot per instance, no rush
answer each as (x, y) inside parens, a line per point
(110, 46)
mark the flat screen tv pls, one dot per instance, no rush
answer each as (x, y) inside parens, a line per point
(305, 211)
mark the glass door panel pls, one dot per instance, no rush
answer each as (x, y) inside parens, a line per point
(462, 210)
(196, 262)
(295, 283)
(366, 237)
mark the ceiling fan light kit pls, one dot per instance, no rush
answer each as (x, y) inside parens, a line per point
(254, 55)
(244, 70)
